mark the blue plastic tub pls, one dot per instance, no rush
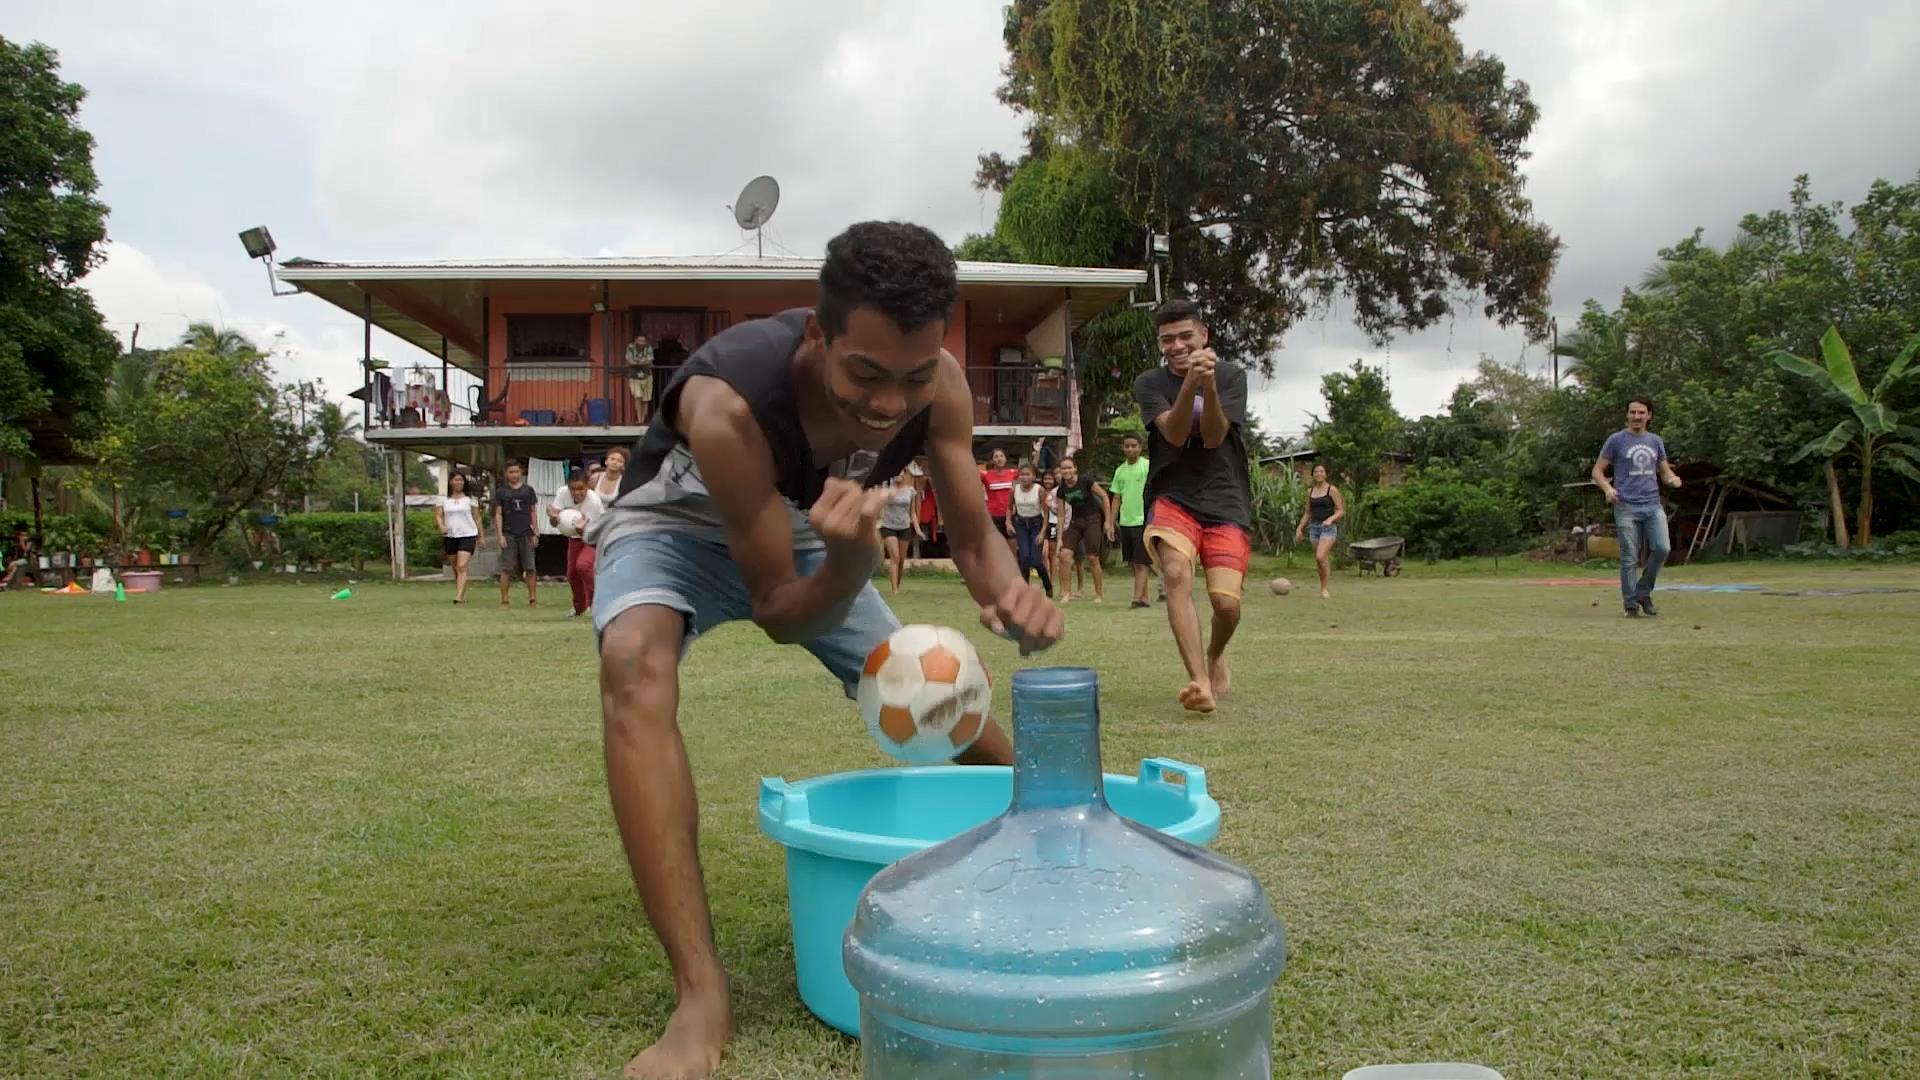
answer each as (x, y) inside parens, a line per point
(840, 830)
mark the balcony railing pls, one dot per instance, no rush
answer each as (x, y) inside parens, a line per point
(547, 394)
(1006, 395)
(529, 394)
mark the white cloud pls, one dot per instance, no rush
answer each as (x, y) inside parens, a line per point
(133, 289)
(492, 127)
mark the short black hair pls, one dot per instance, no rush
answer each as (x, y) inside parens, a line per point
(1174, 311)
(1648, 402)
(577, 476)
(902, 270)
(1134, 435)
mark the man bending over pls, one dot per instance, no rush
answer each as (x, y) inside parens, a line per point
(757, 496)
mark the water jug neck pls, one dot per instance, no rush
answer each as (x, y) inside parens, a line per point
(1056, 738)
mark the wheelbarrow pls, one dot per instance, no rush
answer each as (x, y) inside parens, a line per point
(1381, 553)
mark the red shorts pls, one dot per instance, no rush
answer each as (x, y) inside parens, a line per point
(1223, 551)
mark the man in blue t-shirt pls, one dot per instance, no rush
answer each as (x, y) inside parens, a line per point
(1640, 465)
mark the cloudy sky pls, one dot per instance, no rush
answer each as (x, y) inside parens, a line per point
(442, 129)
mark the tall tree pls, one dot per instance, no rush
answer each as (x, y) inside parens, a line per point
(54, 349)
(1294, 153)
(1360, 429)
(215, 431)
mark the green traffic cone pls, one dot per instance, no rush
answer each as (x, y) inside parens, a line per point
(343, 594)
(119, 591)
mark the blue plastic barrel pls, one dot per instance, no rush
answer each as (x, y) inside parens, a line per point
(842, 829)
(599, 411)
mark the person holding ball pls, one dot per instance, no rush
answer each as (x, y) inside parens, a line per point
(578, 495)
(756, 495)
(1325, 507)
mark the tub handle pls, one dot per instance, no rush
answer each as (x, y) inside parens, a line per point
(782, 801)
(1189, 779)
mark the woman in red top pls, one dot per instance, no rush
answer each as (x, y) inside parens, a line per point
(998, 480)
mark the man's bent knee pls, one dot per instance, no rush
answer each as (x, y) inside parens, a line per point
(1224, 605)
(641, 646)
(1175, 568)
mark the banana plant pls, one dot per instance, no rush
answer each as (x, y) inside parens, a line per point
(1874, 432)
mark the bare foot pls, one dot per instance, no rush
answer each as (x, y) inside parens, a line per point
(1221, 675)
(1325, 595)
(690, 1047)
(1197, 697)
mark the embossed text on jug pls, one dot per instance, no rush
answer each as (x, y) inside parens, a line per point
(998, 875)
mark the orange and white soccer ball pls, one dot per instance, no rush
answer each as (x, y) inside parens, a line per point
(925, 694)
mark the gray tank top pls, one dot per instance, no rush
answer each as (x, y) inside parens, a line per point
(662, 488)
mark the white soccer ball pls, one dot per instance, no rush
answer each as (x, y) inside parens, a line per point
(925, 694)
(571, 522)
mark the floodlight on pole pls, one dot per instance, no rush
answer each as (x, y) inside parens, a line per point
(259, 244)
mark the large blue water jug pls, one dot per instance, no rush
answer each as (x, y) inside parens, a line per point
(1061, 941)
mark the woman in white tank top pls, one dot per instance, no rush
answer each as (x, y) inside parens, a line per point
(1029, 521)
(459, 523)
(608, 486)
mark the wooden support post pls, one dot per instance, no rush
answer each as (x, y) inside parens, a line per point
(1839, 508)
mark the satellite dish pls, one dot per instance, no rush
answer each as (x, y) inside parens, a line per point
(754, 208)
(757, 200)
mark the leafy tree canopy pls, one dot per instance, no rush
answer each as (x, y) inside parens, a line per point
(1696, 334)
(1293, 152)
(54, 350)
(1360, 429)
(212, 429)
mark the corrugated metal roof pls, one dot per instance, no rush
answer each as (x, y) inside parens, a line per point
(678, 268)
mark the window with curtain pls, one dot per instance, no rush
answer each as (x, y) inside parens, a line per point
(549, 338)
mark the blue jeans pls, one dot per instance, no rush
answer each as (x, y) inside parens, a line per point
(1032, 556)
(1634, 522)
(697, 577)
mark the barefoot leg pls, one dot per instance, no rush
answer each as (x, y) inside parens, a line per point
(1226, 619)
(1195, 697)
(1177, 573)
(651, 784)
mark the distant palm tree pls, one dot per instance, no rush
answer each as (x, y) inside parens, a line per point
(1580, 347)
(1658, 278)
(214, 340)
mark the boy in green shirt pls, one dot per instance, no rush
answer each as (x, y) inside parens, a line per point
(1129, 490)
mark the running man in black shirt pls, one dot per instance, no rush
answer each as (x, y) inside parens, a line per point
(1199, 496)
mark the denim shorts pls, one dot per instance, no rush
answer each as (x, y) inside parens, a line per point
(698, 578)
(1316, 531)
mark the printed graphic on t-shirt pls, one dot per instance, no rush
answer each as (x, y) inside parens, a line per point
(1641, 460)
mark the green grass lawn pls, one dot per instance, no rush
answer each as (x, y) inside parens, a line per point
(255, 832)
